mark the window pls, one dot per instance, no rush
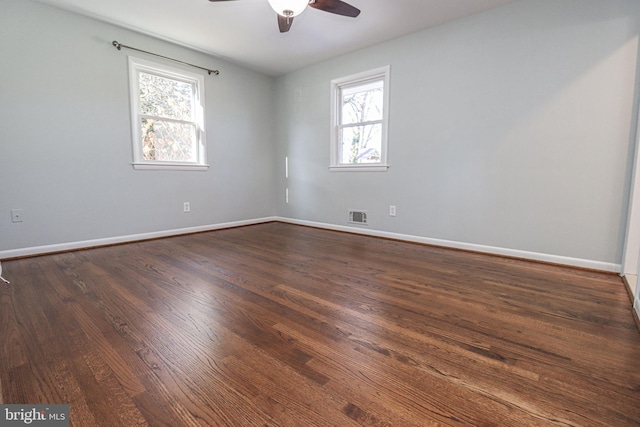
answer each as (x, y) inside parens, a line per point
(167, 106)
(359, 121)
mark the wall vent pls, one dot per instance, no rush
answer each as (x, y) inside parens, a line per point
(357, 217)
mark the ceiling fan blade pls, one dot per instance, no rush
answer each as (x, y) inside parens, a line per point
(336, 6)
(284, 23)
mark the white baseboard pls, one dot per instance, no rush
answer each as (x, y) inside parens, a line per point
(61, 247)
(515, 253)
(535, 256)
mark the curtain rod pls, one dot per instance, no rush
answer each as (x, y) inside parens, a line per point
(119, 46)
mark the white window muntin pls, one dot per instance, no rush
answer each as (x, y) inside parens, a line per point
(367, 80)
(196, 81)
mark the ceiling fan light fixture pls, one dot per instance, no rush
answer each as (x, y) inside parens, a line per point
(289, 8)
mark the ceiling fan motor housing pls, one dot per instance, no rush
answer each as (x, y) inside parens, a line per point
(289, 8)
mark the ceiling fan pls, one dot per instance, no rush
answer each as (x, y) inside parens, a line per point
(288, 9)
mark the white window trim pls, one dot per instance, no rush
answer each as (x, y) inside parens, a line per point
(136, 65)
(381, 73)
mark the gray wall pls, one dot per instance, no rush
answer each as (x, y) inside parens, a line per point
(65, 141)
(513, 129)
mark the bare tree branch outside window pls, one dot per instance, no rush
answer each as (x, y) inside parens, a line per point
(167, 122)
(361, 124)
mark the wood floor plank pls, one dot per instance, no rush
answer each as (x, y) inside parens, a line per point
(283, 325)
(13, 341)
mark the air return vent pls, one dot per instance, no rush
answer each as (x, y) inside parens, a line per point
(357, 217)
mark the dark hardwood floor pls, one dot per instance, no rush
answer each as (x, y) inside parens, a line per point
(282, 325)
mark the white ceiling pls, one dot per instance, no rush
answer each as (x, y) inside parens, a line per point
(246, 31)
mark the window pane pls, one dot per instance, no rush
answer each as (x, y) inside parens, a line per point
(362, 104)
(361, 144)
(168, 141)
(164, 97)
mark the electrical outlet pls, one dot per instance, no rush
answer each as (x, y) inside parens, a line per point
(187, 207)
(16, 215)
(392, 210)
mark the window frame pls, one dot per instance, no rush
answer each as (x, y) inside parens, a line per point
(378, 74)
(138, 65)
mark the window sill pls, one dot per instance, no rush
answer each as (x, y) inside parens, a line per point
(359, 168)
(169, 167)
